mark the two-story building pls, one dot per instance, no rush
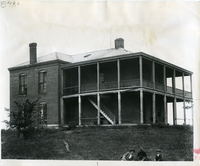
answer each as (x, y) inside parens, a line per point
(112, 86)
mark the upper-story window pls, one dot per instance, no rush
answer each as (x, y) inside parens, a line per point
(42, 82)
(22, 84)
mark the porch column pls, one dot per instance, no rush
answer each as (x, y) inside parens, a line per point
(191, 97)
(183, 86)
(61, 82)
(184, 111)
(79, 110)
(191, 84)
(154, 107)
(153, 74)
(164, 78)
(165, 109)
(119, 108)
(79, 79)
(140, 63)
(61, 100)
(141, 106)
(141, 91)
(118, 73)
(174, 112)
(61, 111)
(97, 77)
(192, 113)
(98, 112)
(174, 81)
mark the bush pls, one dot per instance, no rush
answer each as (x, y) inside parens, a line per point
(24, 119)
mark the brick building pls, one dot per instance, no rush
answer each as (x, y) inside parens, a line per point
(112, 86)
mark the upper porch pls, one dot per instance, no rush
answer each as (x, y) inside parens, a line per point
(136, 71)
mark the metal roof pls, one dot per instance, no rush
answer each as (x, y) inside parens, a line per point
(50, 57)
(95, 56)
(100, 54)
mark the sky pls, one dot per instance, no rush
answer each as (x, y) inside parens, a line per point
(168, 30)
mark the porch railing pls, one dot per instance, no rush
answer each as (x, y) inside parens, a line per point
(108, 85)
(70, 90)
(124, 83)
(147, 83)
(188, 94)
(169, 89)
(129, 83)
(179, 92)
(88, 87)
(159, 86)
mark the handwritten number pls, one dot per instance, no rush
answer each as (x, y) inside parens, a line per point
(4, 4)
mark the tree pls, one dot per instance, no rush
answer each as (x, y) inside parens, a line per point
(24, 119)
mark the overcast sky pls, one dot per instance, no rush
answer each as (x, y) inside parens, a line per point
(167, 30)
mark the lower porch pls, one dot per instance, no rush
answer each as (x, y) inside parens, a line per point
(121, 108)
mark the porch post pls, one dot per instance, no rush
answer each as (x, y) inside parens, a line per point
(191, 84)
(119, 94)
(61, 99)
(174, 81)
(61, 111)
(174, 112)
(98, 112)
(153, 73)
(154, 107)
(98, 77)
(184, 111)
(61, 82)
(165, 109)
(79, 79)
(79, 109)
(118, 73)
(191, 97)
(141, 79)
(164, 77)
(141, 106)
(141, 91)
(192, 113)
(183, 86)
(119, 108)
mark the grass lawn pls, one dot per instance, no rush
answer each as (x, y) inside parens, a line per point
(101, 143)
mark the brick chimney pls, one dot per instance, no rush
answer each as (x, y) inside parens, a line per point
(33, 53)
(119, 43)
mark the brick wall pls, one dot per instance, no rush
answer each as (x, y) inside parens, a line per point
(51, 97)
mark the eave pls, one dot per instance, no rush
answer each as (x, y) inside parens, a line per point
(134, 55)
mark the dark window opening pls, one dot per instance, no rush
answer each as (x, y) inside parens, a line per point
(22, 84)
(43, 113)
(42, 82)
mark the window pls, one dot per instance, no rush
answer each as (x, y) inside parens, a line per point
(43, 113)
(42, 82)
(22, 84)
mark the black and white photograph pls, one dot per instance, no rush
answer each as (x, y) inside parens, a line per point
(99, 82)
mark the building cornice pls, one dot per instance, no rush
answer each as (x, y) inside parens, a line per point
(38, 64)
